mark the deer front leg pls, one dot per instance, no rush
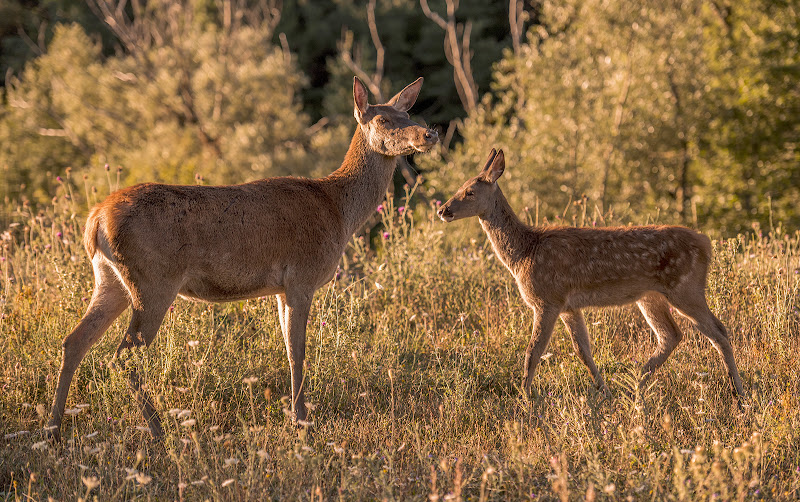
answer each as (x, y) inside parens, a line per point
(296, 318)
(545, 320)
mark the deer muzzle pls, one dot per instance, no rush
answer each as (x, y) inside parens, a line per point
(428, 138)
(445, 214)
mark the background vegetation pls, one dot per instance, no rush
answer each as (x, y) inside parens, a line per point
(609, 113)
(682, 111)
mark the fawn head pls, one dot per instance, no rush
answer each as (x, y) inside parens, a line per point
(477, 195)
(388, 129)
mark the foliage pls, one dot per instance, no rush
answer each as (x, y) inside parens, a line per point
(217, 102)
(414, 45)
(414, 355)
(679, 111)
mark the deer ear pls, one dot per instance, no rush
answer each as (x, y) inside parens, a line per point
(488, 164)
(405, 99)
(496, 168)
(360, 99)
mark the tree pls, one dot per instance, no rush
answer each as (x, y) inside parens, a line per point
(196, 91)
(640, 107)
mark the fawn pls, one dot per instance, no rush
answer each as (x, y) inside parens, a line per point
(560, 270)
(277, 236)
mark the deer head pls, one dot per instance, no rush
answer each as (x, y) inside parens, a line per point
(477, 195)
(388, 128)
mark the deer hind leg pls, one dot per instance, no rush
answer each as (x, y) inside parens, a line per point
(109, 300)
(576, 326)
(694, 307)
(297, 307)
(543, 324)
(281, 300)
(146, 318)
(655, 309)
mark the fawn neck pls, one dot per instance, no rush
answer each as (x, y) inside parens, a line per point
(510, 237)
(361, 181)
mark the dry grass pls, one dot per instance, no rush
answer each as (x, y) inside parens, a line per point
(415, 360)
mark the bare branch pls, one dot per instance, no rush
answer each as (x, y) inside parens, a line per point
(346, 53)
(457, 53)
(516, 20)
(376, 41)
(39, 47)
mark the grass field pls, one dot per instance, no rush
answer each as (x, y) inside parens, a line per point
(414, 365)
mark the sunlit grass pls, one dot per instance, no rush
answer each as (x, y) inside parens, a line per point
(414, 369)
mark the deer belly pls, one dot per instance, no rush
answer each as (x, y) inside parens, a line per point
(602, 298)
(225, 290)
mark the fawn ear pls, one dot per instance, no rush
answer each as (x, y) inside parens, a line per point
(494, 170)
(405, 99)
(360, 99)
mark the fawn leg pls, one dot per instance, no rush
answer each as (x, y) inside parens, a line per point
(655, 309)
(576, 326)
(696, 309)
(109, 300)
(545, 320)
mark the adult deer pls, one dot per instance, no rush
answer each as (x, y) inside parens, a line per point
(276, 236)
(560, 270)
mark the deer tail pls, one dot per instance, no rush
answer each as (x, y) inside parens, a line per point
(90, 233)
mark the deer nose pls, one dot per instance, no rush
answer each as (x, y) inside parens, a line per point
(444, 212)
(431, 136)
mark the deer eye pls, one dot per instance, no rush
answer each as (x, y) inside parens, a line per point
(382, 120)
(470, 193)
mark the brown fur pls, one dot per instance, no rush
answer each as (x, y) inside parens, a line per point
(276, 236)
(560, 270)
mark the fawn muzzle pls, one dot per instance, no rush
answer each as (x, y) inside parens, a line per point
(445, 214)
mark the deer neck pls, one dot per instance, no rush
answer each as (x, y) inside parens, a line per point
(361, 181)
(510, 237)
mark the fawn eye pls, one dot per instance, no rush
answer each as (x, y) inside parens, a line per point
(382, 120)
(470, 193)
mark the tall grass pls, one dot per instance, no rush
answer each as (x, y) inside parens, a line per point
(414, 369)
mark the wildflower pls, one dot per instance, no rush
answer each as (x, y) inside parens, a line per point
(91, 483)
(228, 482)
(184, 413)
(401, 209)
(189, 423)
(378, 285)
(59, 234)
(142, 478)
(193, 343)
(41, 445)
(107, 167)
(231, 461)
(379, 208)
(386, 235)
(58, 178)
(250, 380)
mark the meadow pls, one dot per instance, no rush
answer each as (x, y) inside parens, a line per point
(414, 363)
